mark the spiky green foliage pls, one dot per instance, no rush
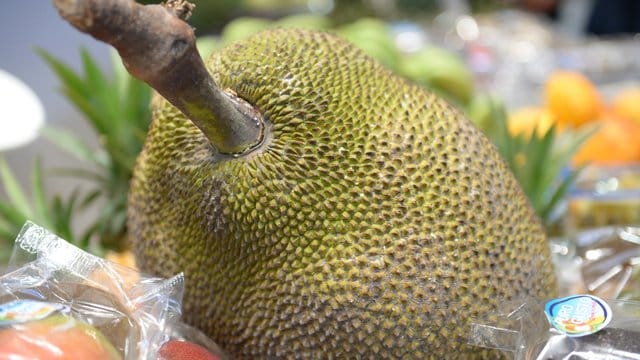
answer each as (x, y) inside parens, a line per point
(117, 108)
(540, 163)
(55, 213)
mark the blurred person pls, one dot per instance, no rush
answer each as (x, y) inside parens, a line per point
(609, 17)
(597, 17)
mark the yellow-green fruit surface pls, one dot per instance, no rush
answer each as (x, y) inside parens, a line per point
(374, 221)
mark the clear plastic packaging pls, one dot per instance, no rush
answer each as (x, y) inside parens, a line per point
(527, 332)
(609, 261)
(33, 329)
(603, 261)
(131, 310)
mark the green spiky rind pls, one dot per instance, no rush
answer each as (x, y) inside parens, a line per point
(375, 222)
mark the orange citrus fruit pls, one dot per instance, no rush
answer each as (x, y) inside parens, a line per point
(529, 119)
(614, 142)
(627, 104)
(572, 98)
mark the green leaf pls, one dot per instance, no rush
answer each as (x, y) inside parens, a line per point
(86, 105)
(7, 240)
(71, 144)
(8, 230)
(84, 174)
(69, 78)
(135, 108)
(121, 77)
(117, 106)
(90, 198)
(104, 97)
(95, 79)
(15, 193)
(12, 215)
(571, 142)
(559, 193)
(538, 160)
(38, 195)
(79, 92)
(122, 159)
(63, 215)
(7, 233)
(84, 241)
(506, 144)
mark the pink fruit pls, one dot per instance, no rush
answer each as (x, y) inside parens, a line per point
(183, 350)
(56, 337)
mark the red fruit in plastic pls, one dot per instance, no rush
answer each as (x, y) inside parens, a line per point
(183, 350)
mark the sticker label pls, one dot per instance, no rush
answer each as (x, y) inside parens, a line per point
(20, 311)
(578, 315)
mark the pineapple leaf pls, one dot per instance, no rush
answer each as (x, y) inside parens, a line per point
(15, 193)
(89, 198)
(537, 152)
(121, 77)
(68, 77)
(101, 96)
(559, 192)
(537, 162)
(72, 145)
(38, 194)
(7, 232)
(117, 107)
(12, 215)
(84, 174)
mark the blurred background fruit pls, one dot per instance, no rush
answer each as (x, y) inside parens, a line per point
(572, 98)
(480, 112)
(305, 21)
(530, 120)
(616, 141)
(241, 27)
(573, 102)
(441, 70)
(627, 104)
(373, 36)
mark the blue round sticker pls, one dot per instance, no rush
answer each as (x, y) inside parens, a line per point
(578, 315)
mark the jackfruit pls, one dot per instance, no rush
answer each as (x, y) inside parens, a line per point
(373, 221)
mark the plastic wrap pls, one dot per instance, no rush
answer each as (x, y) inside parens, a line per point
(610, 260)
(130, 310)
(589, 328)
(603, 261)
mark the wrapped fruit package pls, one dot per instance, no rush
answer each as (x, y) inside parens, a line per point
(579, 327)
(58, 302)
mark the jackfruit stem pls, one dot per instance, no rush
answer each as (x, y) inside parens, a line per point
(159, 48)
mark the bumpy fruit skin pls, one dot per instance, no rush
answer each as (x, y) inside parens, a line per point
(374, 222)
